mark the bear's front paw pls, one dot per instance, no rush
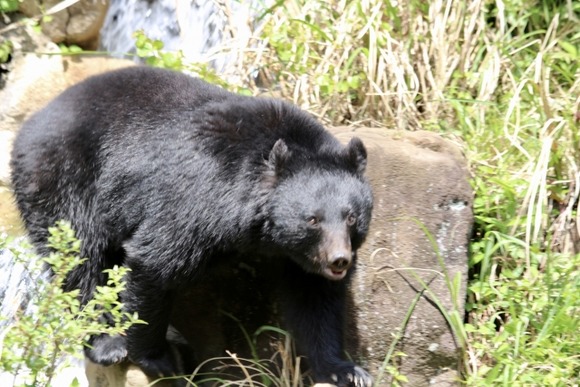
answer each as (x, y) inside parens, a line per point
(107, 350)
(159, 364)
(352, 376)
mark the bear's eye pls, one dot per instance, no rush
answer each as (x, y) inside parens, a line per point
(350, 219)
(313, 221)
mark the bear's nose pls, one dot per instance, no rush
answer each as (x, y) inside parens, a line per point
(340, 262)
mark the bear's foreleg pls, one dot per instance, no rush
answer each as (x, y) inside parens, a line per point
(314, 311)
(147, 345)
(107, 350)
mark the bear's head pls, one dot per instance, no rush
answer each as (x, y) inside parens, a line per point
(320, 206)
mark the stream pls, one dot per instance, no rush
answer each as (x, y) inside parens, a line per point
(204, 30)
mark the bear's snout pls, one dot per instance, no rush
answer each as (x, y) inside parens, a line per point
(341, 261)
(338, 254)
(338, 264)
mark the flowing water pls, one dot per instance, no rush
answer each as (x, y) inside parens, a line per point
(206, 31)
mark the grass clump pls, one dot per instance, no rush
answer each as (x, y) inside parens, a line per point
(537, 317)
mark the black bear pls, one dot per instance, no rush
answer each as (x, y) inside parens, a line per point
(163, 173)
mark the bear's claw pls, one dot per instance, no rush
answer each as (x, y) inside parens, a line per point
(354, 377)
(361, 378)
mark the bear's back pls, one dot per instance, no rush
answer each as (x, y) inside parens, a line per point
(149, 101)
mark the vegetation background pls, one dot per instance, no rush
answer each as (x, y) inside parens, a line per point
(500, 78)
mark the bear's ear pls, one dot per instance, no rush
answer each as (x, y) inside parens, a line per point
(356, 155)
(278, 157)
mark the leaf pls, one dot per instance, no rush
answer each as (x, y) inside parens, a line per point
(569, 48)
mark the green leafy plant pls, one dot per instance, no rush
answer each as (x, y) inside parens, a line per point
(539, 315)
(55, 324)
(152, 51)
(6, 48)
(9, 6)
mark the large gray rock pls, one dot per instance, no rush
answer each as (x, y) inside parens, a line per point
(419, 236)
(420, 230)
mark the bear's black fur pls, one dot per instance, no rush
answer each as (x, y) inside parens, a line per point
(163, 173)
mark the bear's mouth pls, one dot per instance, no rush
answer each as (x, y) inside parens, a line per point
(334, 275)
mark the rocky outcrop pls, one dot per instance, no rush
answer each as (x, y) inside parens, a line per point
(416, 250)
(78, 23)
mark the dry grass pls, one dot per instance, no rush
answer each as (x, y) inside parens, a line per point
(365, 63)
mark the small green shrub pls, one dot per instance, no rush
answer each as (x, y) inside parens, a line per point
(55, 324)
(539, 320)
(9, 6)
(152, 51)
(6, 48)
